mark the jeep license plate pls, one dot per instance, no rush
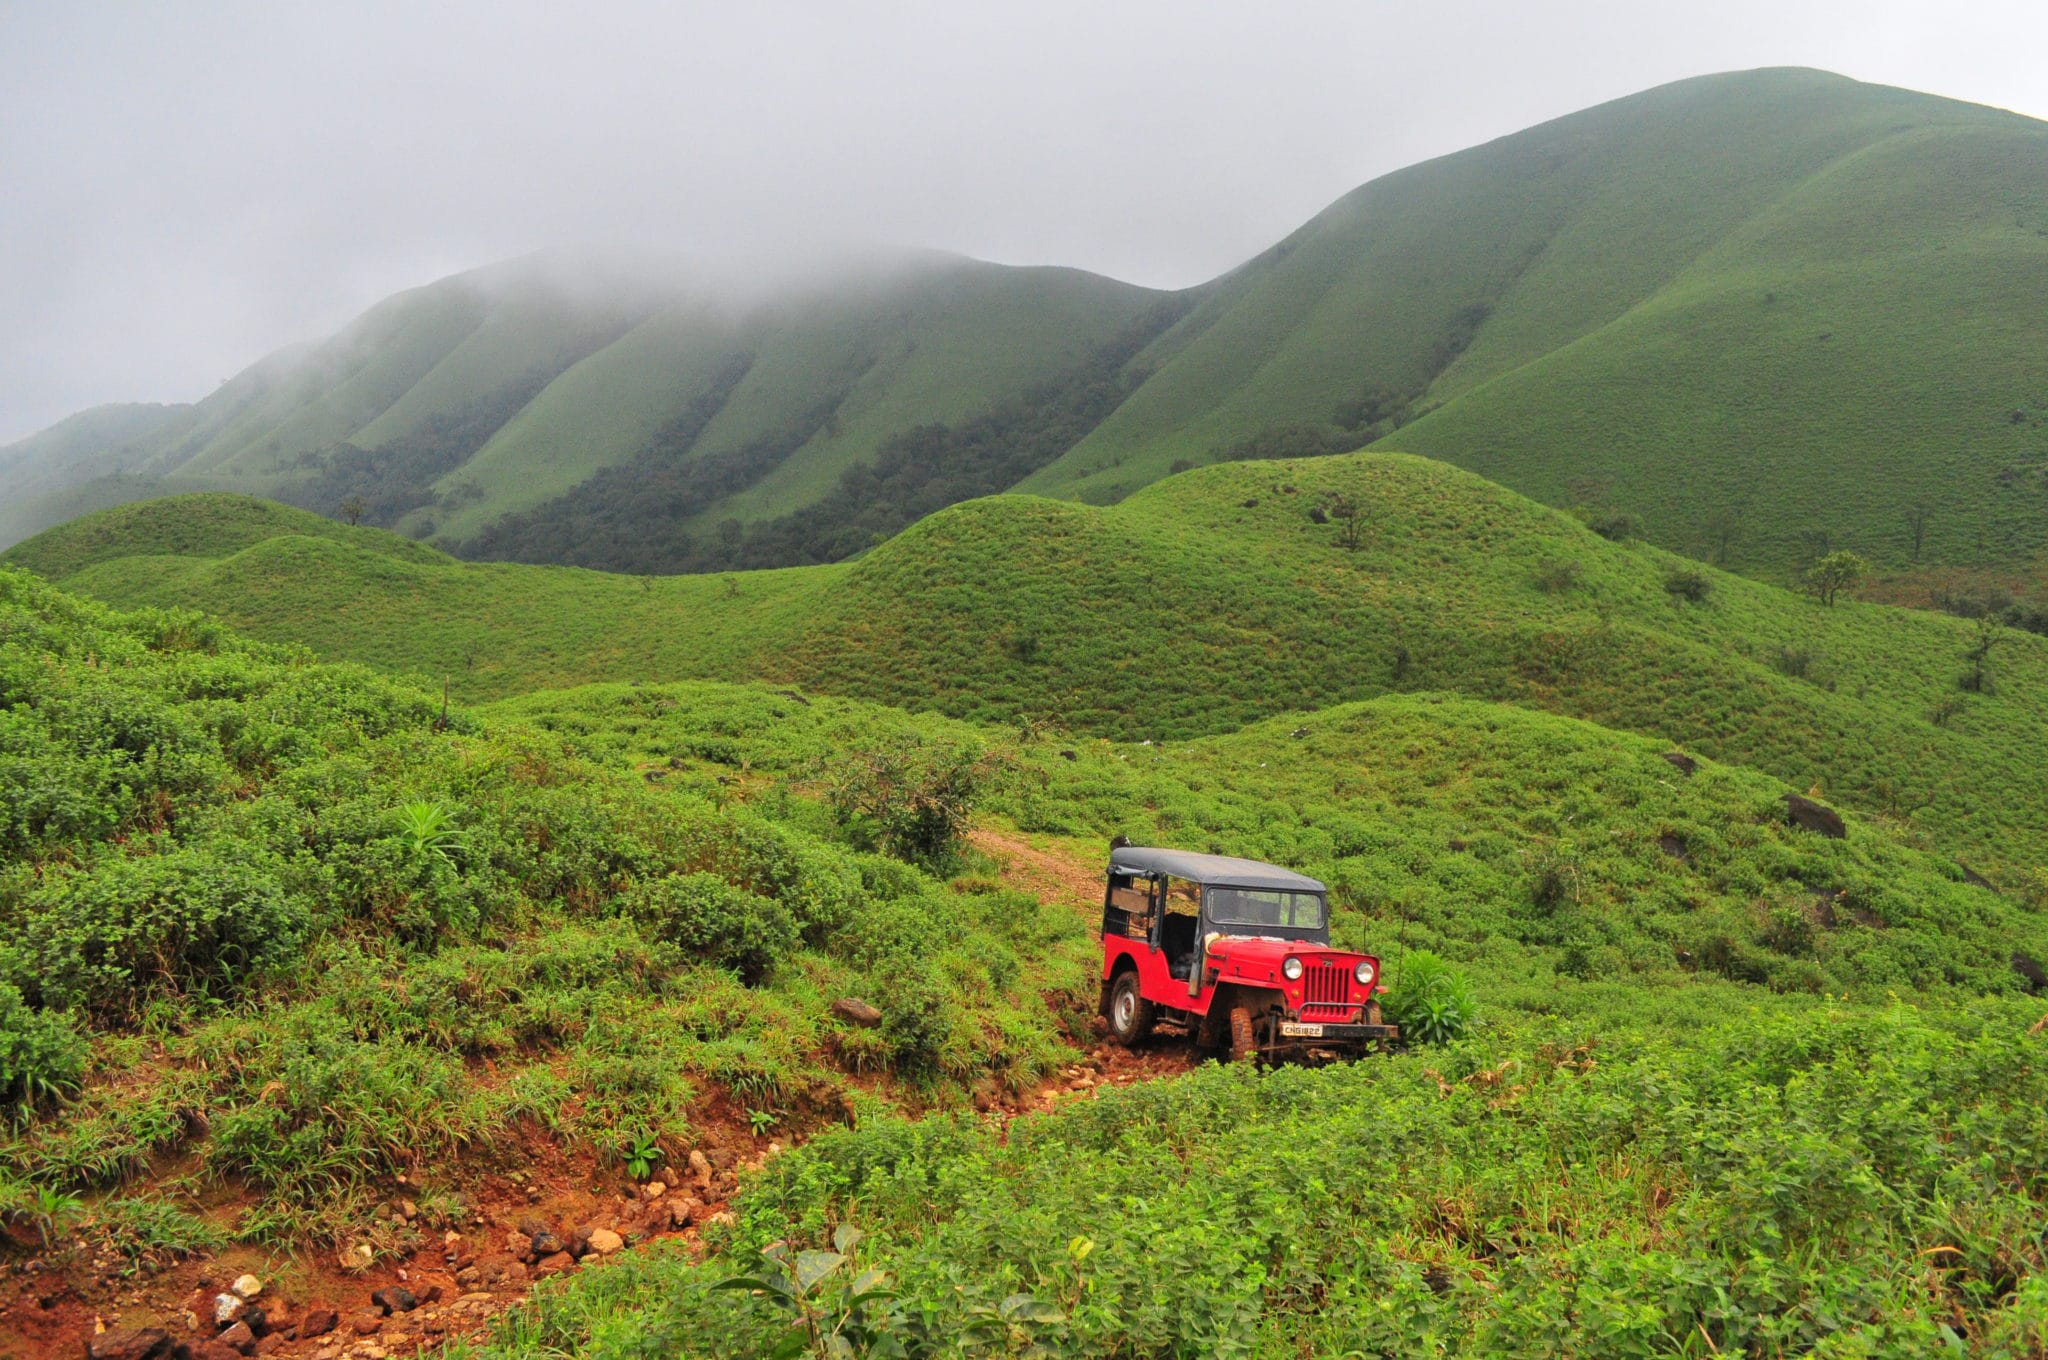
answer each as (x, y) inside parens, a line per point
(1290, 1029)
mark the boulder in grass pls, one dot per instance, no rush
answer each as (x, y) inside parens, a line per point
(856, 1011)
(1818, 818)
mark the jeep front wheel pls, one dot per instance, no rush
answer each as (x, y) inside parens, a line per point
(1130, 1015)
(1244, 1044)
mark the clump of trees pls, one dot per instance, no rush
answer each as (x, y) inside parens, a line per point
(1835, 572)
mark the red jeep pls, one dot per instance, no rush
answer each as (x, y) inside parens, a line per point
(1235, 950)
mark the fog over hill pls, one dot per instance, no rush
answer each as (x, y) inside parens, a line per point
(1756, 313)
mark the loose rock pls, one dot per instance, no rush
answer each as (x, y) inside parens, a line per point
(228, 1309)
(366, 1324)
(857, 1011)
(395, 1300)
(555, 1265)
(247, 1286)
(1803, 812)
(700, 1167)
(544, 1243)
(319, 1320)
(238, 1338)
(135, 1343)
(604, 1241)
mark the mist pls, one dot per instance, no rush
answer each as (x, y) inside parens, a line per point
(188, 188)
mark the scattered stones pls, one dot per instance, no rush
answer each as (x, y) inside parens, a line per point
(228, 1309)
(544, 1243)
(136, 1343)
(1808, 815)
(319, 1320)
(238, 1338)
(213, 1350)
(700, 1167)
(246, 1286)
(555, 1265)
(272, 1344)
(680, 1211)
(655, 1189)
(856, 1011)
(604, 1241)
(357, 1257)
(408, 1210)
(367, 1324)
(396, 1299)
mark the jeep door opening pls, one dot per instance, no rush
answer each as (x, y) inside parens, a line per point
(1236, 951)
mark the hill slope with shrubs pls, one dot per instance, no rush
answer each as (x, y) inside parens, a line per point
(301, 929)
(1223, 596)
(1639, 1150)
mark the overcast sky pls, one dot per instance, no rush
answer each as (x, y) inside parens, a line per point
(184, 187)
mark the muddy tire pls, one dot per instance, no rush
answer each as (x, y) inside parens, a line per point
(1244, 1044)
(1130, 1015)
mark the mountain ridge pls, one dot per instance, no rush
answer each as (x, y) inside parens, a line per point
(1758, 312)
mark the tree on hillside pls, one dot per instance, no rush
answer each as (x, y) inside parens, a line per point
(354, 508)
(1834, 573)
(1917, 515)
(1990, 635)
(1723, 526)
(1350, 517)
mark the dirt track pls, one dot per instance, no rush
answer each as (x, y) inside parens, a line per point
(52, 1307)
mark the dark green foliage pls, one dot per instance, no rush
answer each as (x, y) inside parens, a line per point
(1557, 576)
(911, 799)
(709, 919)
(182, 921)
(1689, 585)
(42, 1059)
(1431, 1001)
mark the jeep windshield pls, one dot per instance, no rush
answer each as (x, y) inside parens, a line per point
(1265, 908)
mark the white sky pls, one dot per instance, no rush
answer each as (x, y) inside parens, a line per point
(184, 187)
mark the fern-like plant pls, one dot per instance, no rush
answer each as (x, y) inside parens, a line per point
(430, 827)
(1431, 1001)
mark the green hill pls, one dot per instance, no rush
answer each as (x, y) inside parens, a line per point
(1764, 313)
(1751, 309)
(301, 932)
(503, 391)
(1204, 603)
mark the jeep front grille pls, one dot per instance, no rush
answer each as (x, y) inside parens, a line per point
(1325, 985)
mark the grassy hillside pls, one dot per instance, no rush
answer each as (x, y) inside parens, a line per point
(1747, 308)
(1208, 602)
(1763, 312)
(1535, 849)
(446, 408)
(1635, 1157)
(302, 929)
(295, 932)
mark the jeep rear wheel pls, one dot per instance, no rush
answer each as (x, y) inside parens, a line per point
(1244, 1044)
(1130, 1015)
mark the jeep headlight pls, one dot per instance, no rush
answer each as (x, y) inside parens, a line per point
(1291, 969)
(1364, 972)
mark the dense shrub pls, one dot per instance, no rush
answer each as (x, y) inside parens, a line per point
(1689, 585)
(41, 1058)
(1431, 1001)
(185, 920)
(911, 799)
(712, 920)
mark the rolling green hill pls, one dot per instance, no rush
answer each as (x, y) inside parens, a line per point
(445, 409)
(1748, 308)
(1201, 604)
(1765, 313)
